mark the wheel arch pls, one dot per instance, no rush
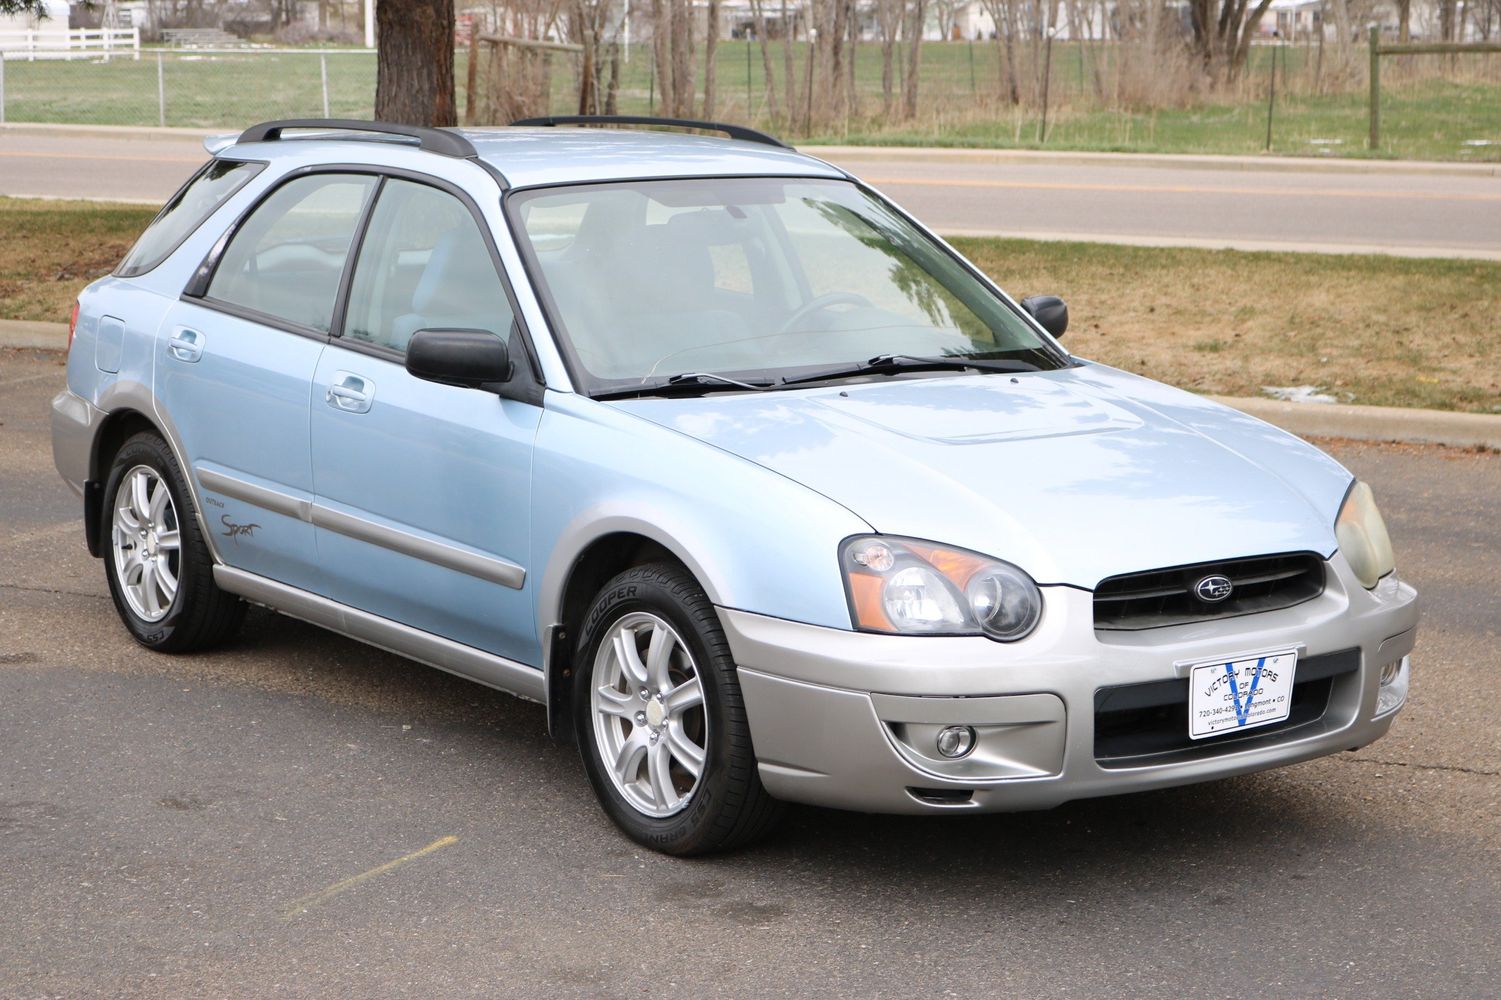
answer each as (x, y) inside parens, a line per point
(616, 545)
(130, 409)
(114, 430)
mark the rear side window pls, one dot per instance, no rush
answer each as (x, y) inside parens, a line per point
(185, 212)
(287, 258)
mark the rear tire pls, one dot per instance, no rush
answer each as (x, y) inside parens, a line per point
(156, 561)
(661, 721)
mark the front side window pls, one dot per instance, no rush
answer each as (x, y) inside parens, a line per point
(423, 265)
(761, 279)
(288, 257)
(186, 212)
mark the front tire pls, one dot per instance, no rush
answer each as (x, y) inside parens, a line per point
(661, 722)
(157, 563)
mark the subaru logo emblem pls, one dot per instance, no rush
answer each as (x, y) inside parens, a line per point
(1213, 589)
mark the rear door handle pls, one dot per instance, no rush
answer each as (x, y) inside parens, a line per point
(185, 345)
(350, 392)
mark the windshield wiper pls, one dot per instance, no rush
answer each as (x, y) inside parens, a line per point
(891, 364)
(685, 384)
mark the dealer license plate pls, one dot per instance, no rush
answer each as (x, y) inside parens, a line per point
(1242, 693)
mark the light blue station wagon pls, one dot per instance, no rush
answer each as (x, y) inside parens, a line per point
(764, 491)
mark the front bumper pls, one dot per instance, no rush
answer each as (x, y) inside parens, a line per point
(845, 719)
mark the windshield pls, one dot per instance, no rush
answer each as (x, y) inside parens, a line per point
(758, 279)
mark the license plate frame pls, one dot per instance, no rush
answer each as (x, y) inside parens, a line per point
(1241, 692)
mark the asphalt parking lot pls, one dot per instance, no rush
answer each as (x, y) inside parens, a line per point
(299, 815)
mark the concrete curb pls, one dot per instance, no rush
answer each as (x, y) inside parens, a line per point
(112, 131)
(1166, 161)
(1374, 423)
(1179, 161)
(29, 333)
(1361, 423)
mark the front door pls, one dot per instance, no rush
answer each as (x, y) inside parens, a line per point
(423, 490)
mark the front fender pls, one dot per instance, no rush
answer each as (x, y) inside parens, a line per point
(755, 540)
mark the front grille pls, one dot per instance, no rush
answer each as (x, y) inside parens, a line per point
(1136, 723)
(1163, 597)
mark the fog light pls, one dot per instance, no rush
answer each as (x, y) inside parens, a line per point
(1392, 693)
(955, 741)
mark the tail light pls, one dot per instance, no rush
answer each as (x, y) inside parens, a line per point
(72, 324)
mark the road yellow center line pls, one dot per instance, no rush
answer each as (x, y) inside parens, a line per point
(324, 895)
(1175, 189)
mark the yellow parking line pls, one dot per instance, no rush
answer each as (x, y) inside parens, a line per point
(101, 156)
(1176, 189)
(323, 895)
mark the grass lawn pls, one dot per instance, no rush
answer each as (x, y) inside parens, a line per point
(1385, 331)
(1435, 120)
(1453, 119)
(1380, 330)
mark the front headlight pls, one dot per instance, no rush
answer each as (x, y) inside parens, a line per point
(911, 587)
(1362, 536)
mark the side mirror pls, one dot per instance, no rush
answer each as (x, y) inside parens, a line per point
(469, 358)
(1049, 310)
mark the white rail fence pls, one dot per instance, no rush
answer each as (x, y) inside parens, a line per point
(70, 43)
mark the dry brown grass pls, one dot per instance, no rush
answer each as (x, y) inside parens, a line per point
(50, 249)
(1379, 330)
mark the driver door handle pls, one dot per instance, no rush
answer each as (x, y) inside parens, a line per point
(350, 392)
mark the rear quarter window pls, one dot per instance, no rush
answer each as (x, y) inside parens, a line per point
(185, 212)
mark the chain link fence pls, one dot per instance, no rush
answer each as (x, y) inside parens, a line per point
(1095, 95)
(190, 88)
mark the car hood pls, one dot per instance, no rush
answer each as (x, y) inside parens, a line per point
(1075, 475)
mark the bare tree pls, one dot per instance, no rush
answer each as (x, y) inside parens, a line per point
(711, 39)
(917, 11)
(889, 25)
(1222, 31)
(764, 42)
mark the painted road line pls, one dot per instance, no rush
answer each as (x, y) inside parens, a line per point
(1174, 189)
(324, 895)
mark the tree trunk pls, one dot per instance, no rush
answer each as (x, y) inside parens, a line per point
(414, 63)
(916, 11)
(765, 43)
(1404, 21)
(711, 39)
(661, 44)
(789, 67)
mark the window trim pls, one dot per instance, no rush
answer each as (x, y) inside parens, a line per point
(256, 165)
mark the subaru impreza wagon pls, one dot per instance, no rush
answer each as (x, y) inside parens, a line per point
(758, 486)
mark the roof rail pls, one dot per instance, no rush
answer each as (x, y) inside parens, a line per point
(434, 140)
(733, 131)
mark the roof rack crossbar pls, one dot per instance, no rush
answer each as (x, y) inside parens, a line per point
(733, 131)
(434, 140)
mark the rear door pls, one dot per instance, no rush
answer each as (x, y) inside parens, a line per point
(423, 489)
(235, 368)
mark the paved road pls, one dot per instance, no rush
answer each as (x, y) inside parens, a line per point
(190, 826)
(1129, 200)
